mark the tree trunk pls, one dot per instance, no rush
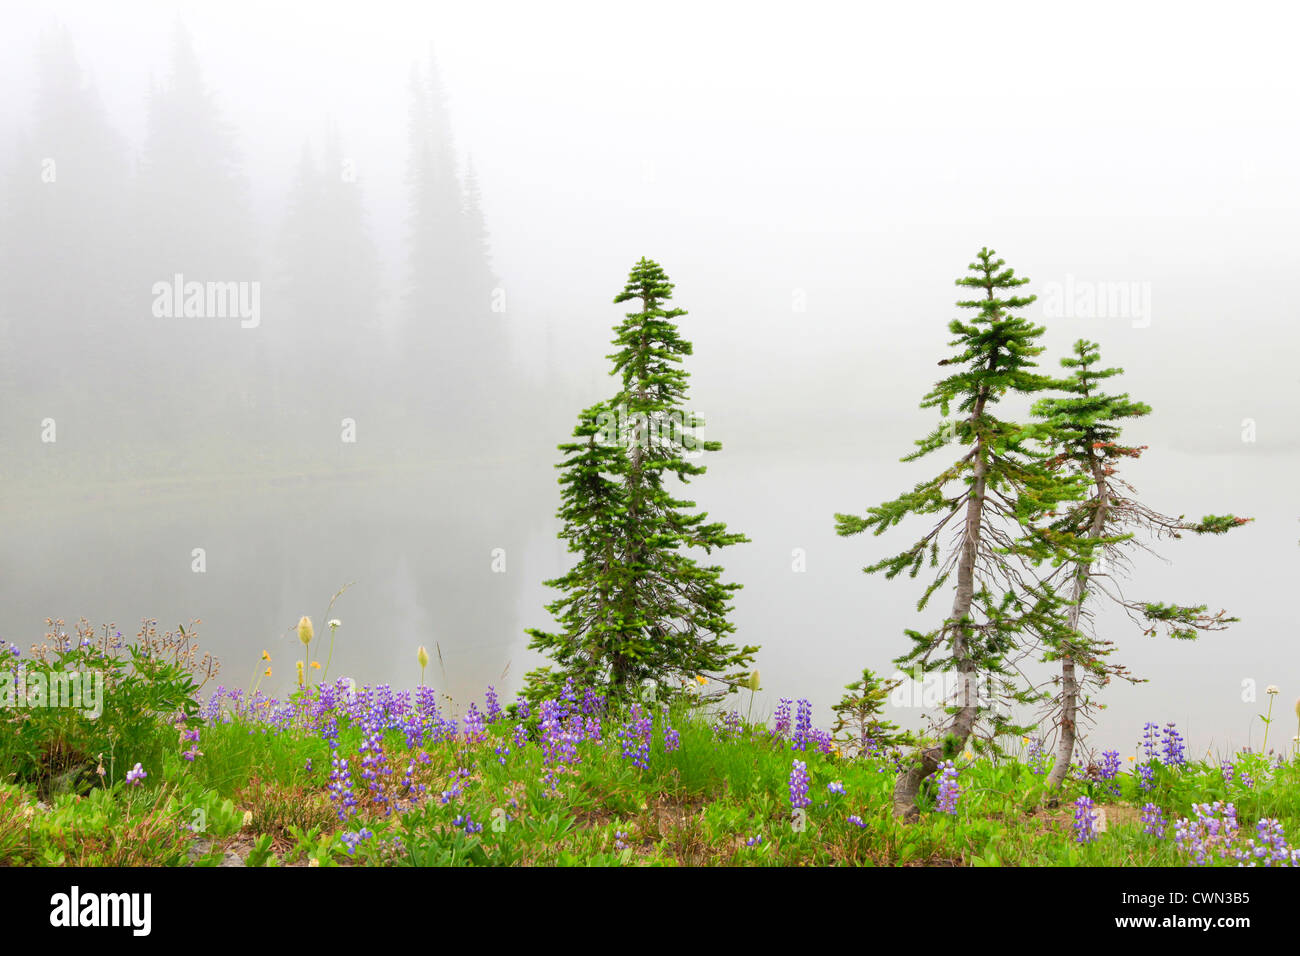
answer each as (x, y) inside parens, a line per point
(963, 721)
(1069, 682)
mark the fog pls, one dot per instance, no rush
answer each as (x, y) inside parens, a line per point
(410, 221)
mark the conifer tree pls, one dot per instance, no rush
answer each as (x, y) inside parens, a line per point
(1082, 430)
(1003, 488)
(859, 716)
(637, 606)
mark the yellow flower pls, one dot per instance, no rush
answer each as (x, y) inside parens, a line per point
(422, 656)
(268, 672)
(1131, 759)
(266, 655)
(969, 755)
(701, 680)
(315, 665)
(304, 630)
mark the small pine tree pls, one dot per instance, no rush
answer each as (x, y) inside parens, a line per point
(859, 721)
(637, 607)
(1082, 429)
(1006, 488)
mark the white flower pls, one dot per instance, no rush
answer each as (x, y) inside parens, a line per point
(1272, 689)
(334, 622)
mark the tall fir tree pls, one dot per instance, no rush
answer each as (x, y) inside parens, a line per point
(637, 607)
(194, 218)
(1004, 487)
(454, 336)
(1082, 429)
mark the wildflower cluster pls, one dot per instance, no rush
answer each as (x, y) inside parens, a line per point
(1210, 835)
(1085, 820)
(1153, 821)
(949, 789)
(635, 735)
(799, 785)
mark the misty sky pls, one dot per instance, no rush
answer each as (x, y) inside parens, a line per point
(813, 182)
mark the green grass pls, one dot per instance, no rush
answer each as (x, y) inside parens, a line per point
(263, 792)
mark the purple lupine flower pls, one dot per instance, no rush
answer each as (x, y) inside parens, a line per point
(568, 699)
(1110, 764)
(672, 739)
(1153, 821)
(799, 785)
(340, 788)
(493, 705)
(822, 741)
(592, 703)
(729, 726)
(835, 786)
(1109, 770)
(1150, 740)
(1211, 833)
(1085, 820)
(475, 725)
(858, 822)
(135, 775)
(1173, 750)
(354, 837)
(1226, 770)
(802, 724)
(949, 789)
(635, 735)
(755, 840)
(559, 745)
(1269, 848)
(781, 719)
(1034, 755)
(466, 823)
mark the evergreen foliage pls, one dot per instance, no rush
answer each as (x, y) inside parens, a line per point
(989, 497)
(636, 607)
(1083, 430)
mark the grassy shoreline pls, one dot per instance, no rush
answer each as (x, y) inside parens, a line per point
(378, 778)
